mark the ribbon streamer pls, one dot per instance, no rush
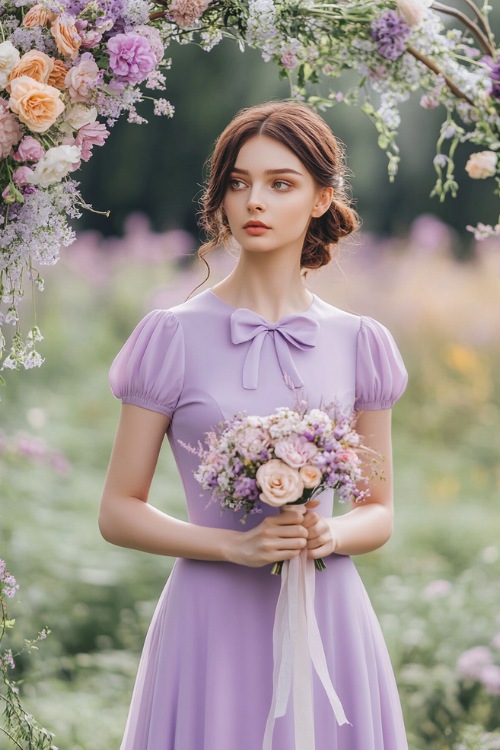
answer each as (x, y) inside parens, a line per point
(297, 647)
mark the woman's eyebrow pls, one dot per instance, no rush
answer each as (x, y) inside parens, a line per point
(269, 171)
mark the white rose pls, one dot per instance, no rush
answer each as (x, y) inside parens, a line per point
(9, 57)
(55, 164)
(481, 165)
(79, 115)
(413, 11)
(280, 484)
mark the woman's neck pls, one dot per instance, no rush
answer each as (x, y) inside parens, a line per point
(267, 287)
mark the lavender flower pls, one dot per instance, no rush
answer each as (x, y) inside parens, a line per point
(495, 77)
(390, 33)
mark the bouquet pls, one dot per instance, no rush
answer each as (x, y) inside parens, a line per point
(285, 458)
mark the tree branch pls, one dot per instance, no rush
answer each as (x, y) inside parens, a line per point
(435, 69)
(483, 40)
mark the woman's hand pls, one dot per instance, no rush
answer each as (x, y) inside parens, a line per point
(278, 537)
(321, 540)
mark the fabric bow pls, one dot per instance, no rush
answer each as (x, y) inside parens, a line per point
(298, 330)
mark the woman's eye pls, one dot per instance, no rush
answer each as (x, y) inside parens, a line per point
(281, 185)
(236, 184)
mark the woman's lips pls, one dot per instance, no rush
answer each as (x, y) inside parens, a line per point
(255, 228)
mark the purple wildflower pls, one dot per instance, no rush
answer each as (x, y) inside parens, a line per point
(495, 77)
(390, 32)
(130, 57)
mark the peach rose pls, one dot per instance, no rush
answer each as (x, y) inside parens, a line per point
(38, 16)
(280, 484)
(58, 75)
(310, 475)
(481, 165)
(35, 64)
(36, 104)
(67, 38)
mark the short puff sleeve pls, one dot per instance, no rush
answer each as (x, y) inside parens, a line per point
(149, 369)
(381, 376)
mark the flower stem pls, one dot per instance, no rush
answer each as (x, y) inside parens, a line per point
(483, 40)
(435, 69)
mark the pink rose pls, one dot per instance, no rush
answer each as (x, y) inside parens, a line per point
(22, 176)
(186, 13)
(280, 484)
(10, 132)
(310, 475)
(92, 134)
(347, 456)
(82, 79)
(29, 150)
(296, 451)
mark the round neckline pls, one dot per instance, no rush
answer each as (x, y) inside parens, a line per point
(274, 322)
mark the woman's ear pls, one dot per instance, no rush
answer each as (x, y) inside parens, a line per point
(323, 202)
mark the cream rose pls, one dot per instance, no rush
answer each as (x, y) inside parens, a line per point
(9, 57)
(81, 80)
(66, 36)
(79, 115)
(280, 484)
(413, 11)
(481, 165)
(36, 104)
(35, 64)
(55, 164)
(38, 16)
(310, 475)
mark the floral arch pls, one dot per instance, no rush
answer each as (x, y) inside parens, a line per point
(70, 68)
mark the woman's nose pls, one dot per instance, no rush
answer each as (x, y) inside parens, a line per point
(255, 200)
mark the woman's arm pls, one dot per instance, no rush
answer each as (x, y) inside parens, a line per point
(127, 519)
(368, 525)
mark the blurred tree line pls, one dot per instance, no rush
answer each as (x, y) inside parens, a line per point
(158, 168)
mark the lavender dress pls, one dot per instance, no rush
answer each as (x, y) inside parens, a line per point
(205, 676)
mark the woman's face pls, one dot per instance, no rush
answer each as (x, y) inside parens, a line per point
(271, 197)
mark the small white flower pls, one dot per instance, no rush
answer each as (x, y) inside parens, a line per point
(481, 165)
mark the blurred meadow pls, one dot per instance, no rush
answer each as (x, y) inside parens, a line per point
(434, 585)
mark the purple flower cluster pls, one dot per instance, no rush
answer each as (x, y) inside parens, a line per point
(8, 585)
(130, 57)
(391, 33)
(495, 77)
(478, 665)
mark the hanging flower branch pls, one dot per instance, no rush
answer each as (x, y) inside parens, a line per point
(70, 68)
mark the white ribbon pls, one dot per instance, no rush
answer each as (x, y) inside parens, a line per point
(297, 647)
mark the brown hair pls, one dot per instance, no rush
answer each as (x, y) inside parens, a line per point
(308, 136)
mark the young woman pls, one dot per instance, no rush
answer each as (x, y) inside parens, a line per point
(252, 342)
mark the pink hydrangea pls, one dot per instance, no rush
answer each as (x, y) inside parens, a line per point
(130, 57)
(10, 131)
(185, 13)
